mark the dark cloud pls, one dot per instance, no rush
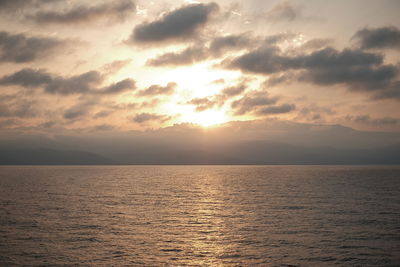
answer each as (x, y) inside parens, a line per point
(358, 70)
(195, 53)
(252, 101)
(156, 89)
(269, 60)
(80, 109)
(7, 5)
(234, 90)
(86, 83)
(278, 109)
(279, 78)
(357, 78)
(75, 112)
(16, 5)
(181, 23)
(366, 119)
(375, 38)
(391, 91)
(265, 61)
(103, 127)
(82, 83)
(187, 56)
(119, 87)
(115, 10)
(145, 117)
(102, 114)
(202, 103)
(20, 48)
(228, 93)
(20, 108)
(230, 42)
(27, 78)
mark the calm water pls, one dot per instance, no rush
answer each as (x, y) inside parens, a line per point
(200, 216)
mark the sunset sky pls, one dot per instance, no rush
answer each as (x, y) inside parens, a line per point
(104, 67)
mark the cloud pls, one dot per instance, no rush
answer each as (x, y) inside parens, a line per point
(313, 112)
(16, 107)
(118, 87)
(218, 99)
(316, 43)
(279, 78)
(378, 38)
(115, 10)
(357, 78)
(358, 70)
(9, 123)
(27, 78)
(82, 83)
(230, 42)
(284, 11)
(366, 119)
(391, 91)
(16, 5)
(252, 101)
(11, 5)
(75, 112)
(234, 90)
(19, 48)
(276, 39)
(179, 24)
(202, 103)
(278, 109)
(103, 127)
(187, 56)
(195, 53)
(86, 83)
(159, 90)
(102, 114)
(268, 60)
(145, 117)
(80, 109)
(115, 66)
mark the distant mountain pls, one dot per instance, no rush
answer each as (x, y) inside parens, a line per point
(43, 156)
(262, 152)
(249, 142)
(254, 152)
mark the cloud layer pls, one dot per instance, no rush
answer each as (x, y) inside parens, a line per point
(115, 10)
(19, 48)
(181, 23)
(378, 38)
(85, 83)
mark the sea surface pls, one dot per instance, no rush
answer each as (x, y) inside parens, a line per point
(200, 215)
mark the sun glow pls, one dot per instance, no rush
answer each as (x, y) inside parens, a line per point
(205, 118)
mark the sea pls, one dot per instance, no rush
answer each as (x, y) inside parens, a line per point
(200, 216)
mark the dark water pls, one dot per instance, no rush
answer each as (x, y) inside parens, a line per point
(200, 216)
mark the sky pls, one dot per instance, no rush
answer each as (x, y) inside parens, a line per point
(102, 69)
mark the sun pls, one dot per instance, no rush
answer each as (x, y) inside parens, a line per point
(205, 118)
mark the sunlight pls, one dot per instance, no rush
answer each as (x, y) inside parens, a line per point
(205, 118)
(197, 78)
